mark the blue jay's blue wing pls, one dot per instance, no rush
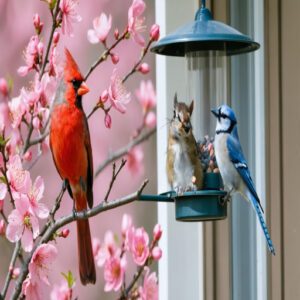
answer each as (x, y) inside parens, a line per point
(237, 157)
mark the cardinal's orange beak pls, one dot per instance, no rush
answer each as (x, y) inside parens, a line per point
(83, 89)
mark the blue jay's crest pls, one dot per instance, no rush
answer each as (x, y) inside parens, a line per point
(226, 119)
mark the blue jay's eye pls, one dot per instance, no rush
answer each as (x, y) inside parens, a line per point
(223, 116)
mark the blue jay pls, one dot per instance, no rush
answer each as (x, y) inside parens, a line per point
(233, 165)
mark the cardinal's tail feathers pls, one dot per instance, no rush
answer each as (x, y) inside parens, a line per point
(85, 250)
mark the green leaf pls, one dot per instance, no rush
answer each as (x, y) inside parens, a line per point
(2, 179)
(69, 278)
(3, 142)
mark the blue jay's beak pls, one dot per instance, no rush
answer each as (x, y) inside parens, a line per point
(215, 111)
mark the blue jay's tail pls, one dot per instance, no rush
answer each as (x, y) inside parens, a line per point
(263, 224)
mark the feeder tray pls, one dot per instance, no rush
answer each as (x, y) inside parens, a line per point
(196, 206)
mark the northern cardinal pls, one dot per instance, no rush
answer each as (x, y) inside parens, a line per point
(72, 154)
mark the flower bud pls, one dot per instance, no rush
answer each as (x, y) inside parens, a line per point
(3, 87)
(104, 96)
(107, 120)
(1, 205)
(157, 232)
(154, 32)
(27, 156)
(114, 58)
(150, 120)
(156, 253)
(15, 273)
(2, 227)
(144, 68)
(38, 25)
(116, 33)
(56, 37)
(65, 232)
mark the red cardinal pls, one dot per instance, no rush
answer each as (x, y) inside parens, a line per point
(72, 154)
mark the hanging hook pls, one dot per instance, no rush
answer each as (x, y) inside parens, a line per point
(203, 4)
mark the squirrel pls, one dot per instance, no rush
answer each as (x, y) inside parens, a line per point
(184, 169)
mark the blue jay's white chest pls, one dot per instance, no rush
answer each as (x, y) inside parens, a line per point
(230, 176)
(183, 167)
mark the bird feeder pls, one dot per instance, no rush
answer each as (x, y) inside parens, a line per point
(206, 45)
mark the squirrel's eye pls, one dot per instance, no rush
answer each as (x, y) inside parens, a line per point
(174, 114)
(179, 118)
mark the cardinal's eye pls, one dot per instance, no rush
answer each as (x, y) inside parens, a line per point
(76, 83)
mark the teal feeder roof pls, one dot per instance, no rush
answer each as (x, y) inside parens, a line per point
(204, 34)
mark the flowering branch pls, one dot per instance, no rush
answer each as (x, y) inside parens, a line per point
(48, 235)
(123, 151)
(135, 67)
(54, 26)
(104, 55)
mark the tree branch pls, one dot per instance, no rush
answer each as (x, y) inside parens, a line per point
(11, 268)
(54, 26)
(48, 235)
(122, 151)
(114, 177)
(134, 69)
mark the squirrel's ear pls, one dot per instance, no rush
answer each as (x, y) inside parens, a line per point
(191, 107)
(175, 100)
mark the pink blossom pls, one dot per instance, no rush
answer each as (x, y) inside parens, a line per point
(135, 24)
(156, 253)
(30, 55)
(138, 241)
(154, 32)
(3, 87)
(40, 48)
(69, 16)
(1, 205)
(19, 178)
(45, 89)
(150, 120)
(22, 224)
(40, 262)
(34, 195)
(149, 290)
(114, 58)
(107, 120)
(61, 292)
(32, 291)
(118, 95)
(102, 26)
(17, 109)
(114, 270)
(146, 95)
(144, 68)
(2, 227)
(134, 160)
(107, 249)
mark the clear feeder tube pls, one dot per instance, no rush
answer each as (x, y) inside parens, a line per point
(207, 86)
